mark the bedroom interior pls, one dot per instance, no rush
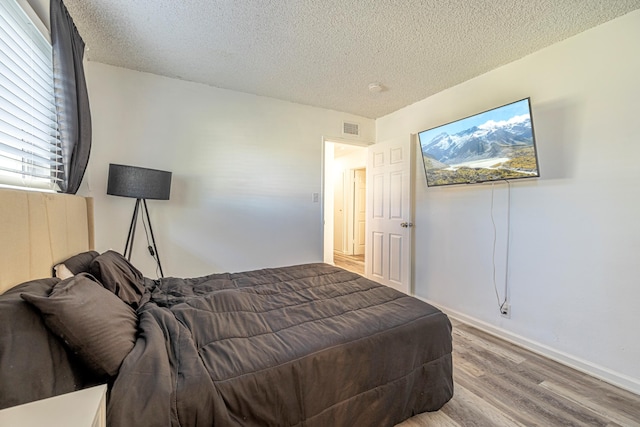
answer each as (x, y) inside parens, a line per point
(246, 166)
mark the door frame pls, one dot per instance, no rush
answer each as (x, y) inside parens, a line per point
(353, 230)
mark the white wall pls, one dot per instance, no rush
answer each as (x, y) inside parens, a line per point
(575, 232)
(244, 170)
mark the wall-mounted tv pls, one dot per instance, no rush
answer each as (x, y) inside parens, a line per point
(494, 145)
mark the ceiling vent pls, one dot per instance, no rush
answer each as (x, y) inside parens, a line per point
(351, 129)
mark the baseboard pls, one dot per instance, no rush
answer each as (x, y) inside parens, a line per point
(619, 380)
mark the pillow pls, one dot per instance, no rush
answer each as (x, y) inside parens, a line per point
(34, 363)
(79, 263)
(119, 276)
(93, 322)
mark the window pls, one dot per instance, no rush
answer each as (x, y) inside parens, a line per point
(30, 153)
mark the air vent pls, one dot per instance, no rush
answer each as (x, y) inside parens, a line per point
(352, 129)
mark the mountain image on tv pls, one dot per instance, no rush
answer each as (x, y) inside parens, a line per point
(495, 145)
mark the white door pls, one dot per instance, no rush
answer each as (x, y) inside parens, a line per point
(389, 213)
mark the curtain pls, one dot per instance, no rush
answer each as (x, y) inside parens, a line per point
(72, 100)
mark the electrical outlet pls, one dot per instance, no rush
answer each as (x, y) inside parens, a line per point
(505, 311)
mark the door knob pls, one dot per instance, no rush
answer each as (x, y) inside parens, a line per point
(406, 224)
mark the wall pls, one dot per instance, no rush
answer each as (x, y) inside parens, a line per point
(575, 235)
(244, 171)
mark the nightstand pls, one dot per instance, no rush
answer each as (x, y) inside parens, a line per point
(83, 408)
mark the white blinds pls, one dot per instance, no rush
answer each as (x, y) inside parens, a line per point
(30, 154)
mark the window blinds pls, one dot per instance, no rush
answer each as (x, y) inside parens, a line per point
(30, 153)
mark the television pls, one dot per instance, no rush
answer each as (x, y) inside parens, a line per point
(495, 145)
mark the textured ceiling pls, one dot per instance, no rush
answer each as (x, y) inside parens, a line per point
(326, 52)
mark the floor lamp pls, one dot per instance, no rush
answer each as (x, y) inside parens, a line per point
(140, 184)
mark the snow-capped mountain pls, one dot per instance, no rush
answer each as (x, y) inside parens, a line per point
(491, 139)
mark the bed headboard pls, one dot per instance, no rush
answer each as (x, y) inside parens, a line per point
(38, 230)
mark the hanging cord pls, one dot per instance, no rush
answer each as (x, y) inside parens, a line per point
(503, 302)
(153, 254)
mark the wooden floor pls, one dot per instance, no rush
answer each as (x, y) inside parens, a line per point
(500, 384)
(354, 263)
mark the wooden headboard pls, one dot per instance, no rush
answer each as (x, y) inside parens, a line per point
(39, 230)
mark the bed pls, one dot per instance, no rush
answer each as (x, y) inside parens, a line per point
(303, 345)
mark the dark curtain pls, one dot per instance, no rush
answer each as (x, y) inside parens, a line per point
(72, 100)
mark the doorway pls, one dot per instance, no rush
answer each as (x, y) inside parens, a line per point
(345, 205)
(389, 224)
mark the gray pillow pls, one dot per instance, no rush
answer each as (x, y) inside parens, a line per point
(94, 323)
(119, 276)
(80, 263)
(34, 363)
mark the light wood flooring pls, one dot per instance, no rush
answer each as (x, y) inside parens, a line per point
(500, 384)
(353, 263)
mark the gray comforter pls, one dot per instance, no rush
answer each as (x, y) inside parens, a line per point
(309, 345)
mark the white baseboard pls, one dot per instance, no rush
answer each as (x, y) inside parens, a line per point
(619, 380)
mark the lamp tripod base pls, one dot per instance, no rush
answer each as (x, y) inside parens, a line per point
(141, 205)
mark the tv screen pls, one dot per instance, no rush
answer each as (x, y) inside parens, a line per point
(495, 145)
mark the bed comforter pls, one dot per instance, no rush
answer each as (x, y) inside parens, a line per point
(309, 345)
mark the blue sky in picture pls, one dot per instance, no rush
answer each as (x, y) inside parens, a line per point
(504, 112)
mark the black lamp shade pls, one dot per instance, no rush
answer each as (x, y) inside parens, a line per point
(139, 183)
